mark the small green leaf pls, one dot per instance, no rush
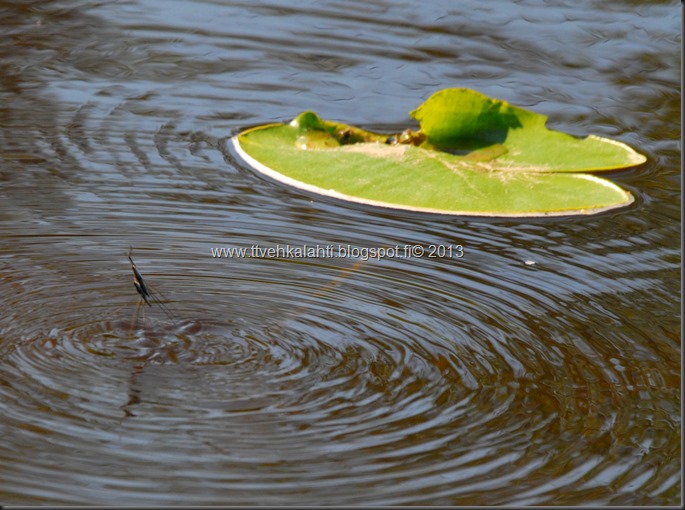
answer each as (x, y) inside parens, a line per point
(473, 156)
(462, 120)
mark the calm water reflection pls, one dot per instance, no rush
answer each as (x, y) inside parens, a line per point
(481, 380)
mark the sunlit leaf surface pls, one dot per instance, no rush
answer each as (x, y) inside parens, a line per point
(472, 156)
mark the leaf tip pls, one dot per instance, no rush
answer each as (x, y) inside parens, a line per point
(307, 120)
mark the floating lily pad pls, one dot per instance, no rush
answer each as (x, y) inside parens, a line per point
(472, 156)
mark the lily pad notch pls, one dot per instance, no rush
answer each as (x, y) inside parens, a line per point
(472, 155)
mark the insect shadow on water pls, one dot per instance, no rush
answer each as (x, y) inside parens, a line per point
(147, 297)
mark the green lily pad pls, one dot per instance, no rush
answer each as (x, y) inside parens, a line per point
(472, 156)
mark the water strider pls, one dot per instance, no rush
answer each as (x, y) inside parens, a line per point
(138, 280)
(142, 288)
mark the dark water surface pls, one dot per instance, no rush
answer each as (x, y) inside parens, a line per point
(481, 380)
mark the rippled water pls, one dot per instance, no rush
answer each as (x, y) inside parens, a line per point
(541, 368)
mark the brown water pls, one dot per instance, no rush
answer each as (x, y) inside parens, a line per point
(480, 380)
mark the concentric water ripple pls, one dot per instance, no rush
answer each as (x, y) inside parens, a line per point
(423, 392)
